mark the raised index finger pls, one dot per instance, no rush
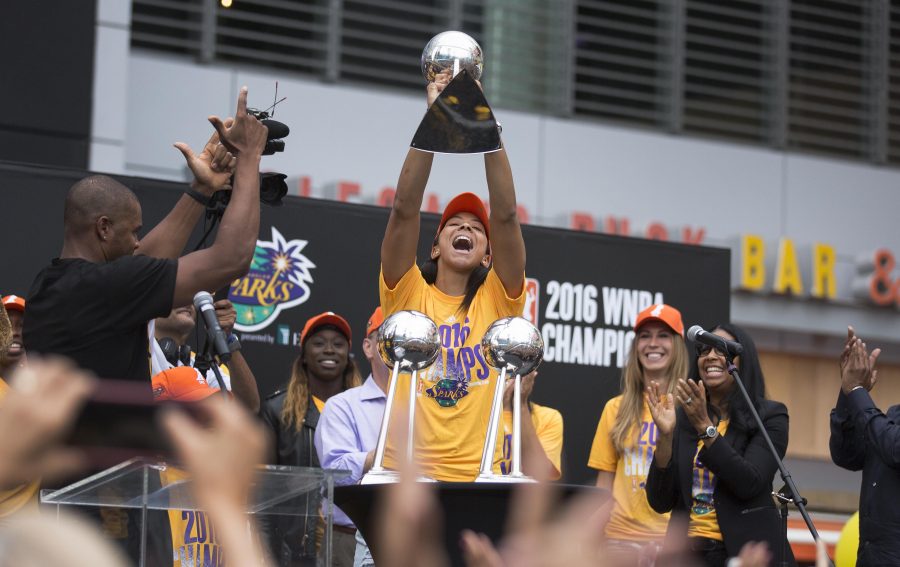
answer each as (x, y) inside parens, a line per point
(242, 103)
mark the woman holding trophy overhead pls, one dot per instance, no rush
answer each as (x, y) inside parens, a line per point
(474, 275)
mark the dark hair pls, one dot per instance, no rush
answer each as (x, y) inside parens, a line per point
(751, 375)
(429, 270)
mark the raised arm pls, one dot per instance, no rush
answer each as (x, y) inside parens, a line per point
(401, 238)
(212, 169)
(230, 255)
(847, 443)
(507, 245)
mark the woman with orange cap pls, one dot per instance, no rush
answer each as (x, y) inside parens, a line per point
(474, 275)
(626, 435)
(323, 368)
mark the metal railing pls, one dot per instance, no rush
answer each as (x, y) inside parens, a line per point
(812, 75)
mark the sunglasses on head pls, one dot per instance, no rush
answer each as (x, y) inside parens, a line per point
(703, 350)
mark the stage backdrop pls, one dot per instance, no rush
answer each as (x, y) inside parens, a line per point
(584, 290)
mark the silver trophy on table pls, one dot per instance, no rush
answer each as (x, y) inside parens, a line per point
(408, 342)
(510, 345)
(460, 121)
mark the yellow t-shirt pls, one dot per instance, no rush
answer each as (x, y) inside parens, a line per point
(21, 497)
(548, 424)
(454, 393)
(194, 540)
(632, 518)
(320, 405)
(704, 522)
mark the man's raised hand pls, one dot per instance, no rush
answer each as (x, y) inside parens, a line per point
(246, 135)
(212, 167)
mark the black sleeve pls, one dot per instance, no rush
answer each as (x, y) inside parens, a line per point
(749, 474)
(881, 432)
(847, 442)
(272, 420)
(138, 288)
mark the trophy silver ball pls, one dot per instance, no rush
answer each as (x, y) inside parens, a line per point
(513, 343)
(446, 48)
(410, 338)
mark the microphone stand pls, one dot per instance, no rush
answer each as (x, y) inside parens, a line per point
(792, 494)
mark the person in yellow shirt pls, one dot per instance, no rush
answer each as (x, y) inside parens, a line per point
(474, 275)
(542, 435)
(626, 435)
(13, 499)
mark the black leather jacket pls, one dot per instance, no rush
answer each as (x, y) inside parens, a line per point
(291, 539)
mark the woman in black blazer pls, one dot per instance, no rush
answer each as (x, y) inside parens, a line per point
(712, 468)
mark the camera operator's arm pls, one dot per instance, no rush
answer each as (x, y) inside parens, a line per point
(212, 170)
(229, 256)
(243, 382)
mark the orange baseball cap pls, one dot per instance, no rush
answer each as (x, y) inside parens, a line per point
(375, 321)
(663, 313)
(466, 203)
(181, 384)
(327, 318)
(14, 303)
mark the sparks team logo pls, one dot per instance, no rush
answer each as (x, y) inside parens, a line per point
(532, 301)
(448, 392)
(279, 279)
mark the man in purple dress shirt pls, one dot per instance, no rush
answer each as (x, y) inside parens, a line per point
(348, 429)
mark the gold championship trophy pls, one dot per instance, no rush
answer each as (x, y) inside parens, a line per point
(460, 121)
(408, 342)
(510, 345)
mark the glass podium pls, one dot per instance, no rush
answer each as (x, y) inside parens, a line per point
(149, 507)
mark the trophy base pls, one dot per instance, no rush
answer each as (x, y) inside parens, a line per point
(505, 479)
(388, 477)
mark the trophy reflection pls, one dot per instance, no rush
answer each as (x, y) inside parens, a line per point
(460, 121)
(511, 345)
(408, 342)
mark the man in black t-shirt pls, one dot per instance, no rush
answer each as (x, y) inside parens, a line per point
(93, 303)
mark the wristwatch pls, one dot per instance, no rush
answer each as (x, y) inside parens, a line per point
(234, 344)
(710, 433)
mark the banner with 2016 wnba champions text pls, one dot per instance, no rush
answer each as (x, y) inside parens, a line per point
(584, 290)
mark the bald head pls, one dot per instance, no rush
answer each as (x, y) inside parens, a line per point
(94, 197)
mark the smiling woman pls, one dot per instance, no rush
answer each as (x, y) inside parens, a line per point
(322, 369)
(712, 464)
(626, 435)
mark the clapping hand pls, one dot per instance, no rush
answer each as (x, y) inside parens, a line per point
(662, 408)
(857, 365)
(691, 396)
